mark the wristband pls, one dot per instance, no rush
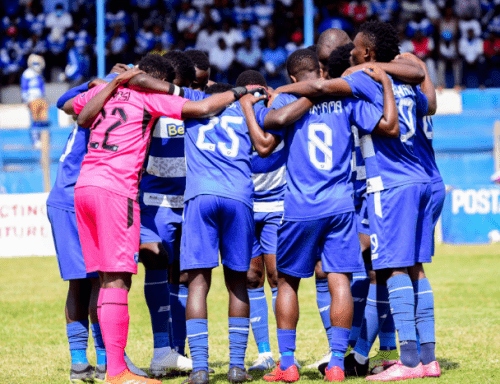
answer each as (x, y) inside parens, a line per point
(239, 92)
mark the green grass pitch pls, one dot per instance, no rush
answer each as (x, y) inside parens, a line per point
(465, 279)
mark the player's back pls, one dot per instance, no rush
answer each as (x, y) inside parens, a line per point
(390, 162)
(318, 166)
(120, 137)
(423, 138)
(218, 153)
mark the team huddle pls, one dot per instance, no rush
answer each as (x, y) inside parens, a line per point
(332, 175)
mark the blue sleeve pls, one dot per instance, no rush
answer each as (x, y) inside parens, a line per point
(260, 113)
(363, 86)
(72, 93)
(194, 95)
(282, 100)
(422, 102)
(365, 115)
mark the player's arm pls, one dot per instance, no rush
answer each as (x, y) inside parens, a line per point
(389, 123)
(288, 114)
(317, 88)
(146, 83)
(90, 111)
(264, 142)
(216, 103)
(427, 87)
(401, 68)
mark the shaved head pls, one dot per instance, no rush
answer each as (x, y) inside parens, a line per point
(328, 41)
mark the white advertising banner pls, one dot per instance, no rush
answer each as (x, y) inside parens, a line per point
(24, 227)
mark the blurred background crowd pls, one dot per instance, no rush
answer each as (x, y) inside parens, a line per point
(458, 39)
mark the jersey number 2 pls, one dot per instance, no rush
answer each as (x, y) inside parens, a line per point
(105, 144)
(230, 151)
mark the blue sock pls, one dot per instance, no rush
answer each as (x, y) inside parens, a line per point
(324, 301)
(197, 334)
(100, 351)
(402, 301)
(78, 336)
(258, 318)
(424, 319)
(157, 299)
(275, 294)
(239, 327)
(359, 287)
(387, 334)
(286, 343)
(178, 298)
(35, 131)
(376, 310)
(339, 340)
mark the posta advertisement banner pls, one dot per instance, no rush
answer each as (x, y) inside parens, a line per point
(472, 215)
(24, 227)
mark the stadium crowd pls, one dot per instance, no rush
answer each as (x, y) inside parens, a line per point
(459, 40)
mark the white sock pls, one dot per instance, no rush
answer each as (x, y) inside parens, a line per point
(360, 358)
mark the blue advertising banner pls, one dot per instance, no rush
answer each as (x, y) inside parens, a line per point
(471, 215)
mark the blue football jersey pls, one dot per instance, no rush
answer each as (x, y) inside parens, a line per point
(163, 181)
(32, 85)
(218, 156)
(390, 162)
(423, 138)
(319, 148)
(269, 178)
(62, 194)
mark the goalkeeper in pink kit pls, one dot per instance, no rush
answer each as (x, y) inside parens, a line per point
(106, 193)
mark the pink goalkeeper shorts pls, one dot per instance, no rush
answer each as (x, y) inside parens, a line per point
(109, 230)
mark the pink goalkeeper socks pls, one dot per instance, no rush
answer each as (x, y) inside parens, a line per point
(114, 320)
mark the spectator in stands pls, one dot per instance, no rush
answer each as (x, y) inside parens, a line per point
(78, 67)
(189, 19)
(492, 57)
(207, 38)
(264, 12)
(358, 10)
(432, 10)
(334, 19)
(422, 47)
(80, 36)
(469, 23)
(34, 20)
(163, 39)
(210, 15)
(384, 10)
(56, 55)
(221, 58)
(117, 43)
(471, 48)
(448, 57)
(243, 11)
(58, 22)
(448, 24)
(252, 31)
(12, 56)
(200, 4)
(144, 40)
(421, 24)
(231, 35)
(116, 15)
(409, 8)
(494, 23)
(296, 42)
(274, 59)
(35, 44)
(248, 56)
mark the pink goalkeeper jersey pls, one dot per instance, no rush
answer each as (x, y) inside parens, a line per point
(120, 137)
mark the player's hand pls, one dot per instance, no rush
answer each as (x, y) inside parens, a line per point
(124, 77)
(251, 99)
(257, 89)
(96, 82)
(411, 57)
(119, 68)
(376, 73)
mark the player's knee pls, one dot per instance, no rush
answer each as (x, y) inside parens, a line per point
(153, 256)
(373, 277)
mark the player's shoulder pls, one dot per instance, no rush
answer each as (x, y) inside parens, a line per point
(283, 99)
(194, 95)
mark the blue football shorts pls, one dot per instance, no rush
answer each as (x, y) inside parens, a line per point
(362, 221)
(266, 232)
(213, 223)
(334, 237)
(162, 225)
(438, 196)
(401, 226)
(67, 244)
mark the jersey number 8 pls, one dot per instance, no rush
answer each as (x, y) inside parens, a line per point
(324, 146)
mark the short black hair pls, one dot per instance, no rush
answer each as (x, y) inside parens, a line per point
(218, 88)
(250, 77)
(183, 66)
(199, 59)
(338, 61)
(313, 47)
(302, 60)
(157, 67)
(383, 39)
